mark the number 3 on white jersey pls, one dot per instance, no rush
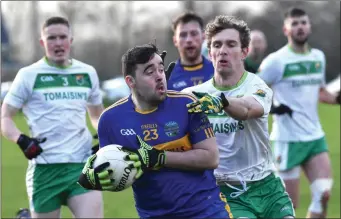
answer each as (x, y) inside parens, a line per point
(66, 83)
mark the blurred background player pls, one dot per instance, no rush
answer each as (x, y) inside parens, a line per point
(177, 179)
(296, 73)
(238, 103)
(257, 49)
(54, 94)
(192, 68)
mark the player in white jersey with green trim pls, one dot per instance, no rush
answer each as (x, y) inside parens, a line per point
(296, 73)
(238, 103)
(54, 94)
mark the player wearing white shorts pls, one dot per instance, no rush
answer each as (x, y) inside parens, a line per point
(296, 73)
(238, 103)
(54, 94)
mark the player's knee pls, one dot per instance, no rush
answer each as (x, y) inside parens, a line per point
(320, 189)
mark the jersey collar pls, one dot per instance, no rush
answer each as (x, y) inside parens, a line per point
(226, 88)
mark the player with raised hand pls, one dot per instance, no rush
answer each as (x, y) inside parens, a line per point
(54, 94)
(296, 74)
(237, 104)
(175, 152)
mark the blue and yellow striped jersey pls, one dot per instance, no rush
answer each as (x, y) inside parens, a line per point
(188, 76)
(168, 191)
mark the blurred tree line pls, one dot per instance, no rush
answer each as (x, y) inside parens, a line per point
(105, 30)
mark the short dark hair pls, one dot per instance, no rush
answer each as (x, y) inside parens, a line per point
(137, 55)
(56, 20)
(294, 12)
(222, 22)
(187, 17)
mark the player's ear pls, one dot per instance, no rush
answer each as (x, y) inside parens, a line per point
(41, 42)
(175, 42)
(130, 81)
(285, 30)
(245, 51)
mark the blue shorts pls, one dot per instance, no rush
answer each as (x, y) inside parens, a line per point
(219, 210)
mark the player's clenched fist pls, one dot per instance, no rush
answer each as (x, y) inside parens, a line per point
(146, 157)
(30, 146)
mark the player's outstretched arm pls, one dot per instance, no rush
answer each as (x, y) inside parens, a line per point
(327, 97)
(204, 155)
(238, 108)
(244, 108)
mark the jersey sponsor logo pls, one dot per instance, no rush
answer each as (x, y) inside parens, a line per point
(127, 132)
(180, 84)
(46, 78)
(65, 96)
(171, 129)
(228, 127)
(299, 83)
(260, 93)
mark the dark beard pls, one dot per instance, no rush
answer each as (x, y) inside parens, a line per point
(151, 102)
(300, 42)
(194, 58)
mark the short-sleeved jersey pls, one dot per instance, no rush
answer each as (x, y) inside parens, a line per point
(168, 191)
(54, 102)
(295, 80)
(244, 146)
(187, 76)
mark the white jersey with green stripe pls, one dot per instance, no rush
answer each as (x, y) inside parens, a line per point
(244, 146)
(295, 80)
(54, 101)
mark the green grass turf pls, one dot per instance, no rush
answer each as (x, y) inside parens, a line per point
(121, 204)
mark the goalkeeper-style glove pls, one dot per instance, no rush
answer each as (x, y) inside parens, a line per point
(146, 158)
(98, 178)
(170, 67)
(208, 103)
(281, 109)
(30, 146)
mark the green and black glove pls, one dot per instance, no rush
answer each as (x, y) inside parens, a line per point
(207, 103)
(98, 178)
(146, 158)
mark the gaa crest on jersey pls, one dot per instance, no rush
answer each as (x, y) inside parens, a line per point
(80, 79)
(171, 129)
(260, 93)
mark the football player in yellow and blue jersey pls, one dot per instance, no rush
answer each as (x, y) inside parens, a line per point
(177, 178)
(191, 68)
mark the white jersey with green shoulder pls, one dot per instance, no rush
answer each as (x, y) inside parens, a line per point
(295, 80)
(244, 147)
(54, 101)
